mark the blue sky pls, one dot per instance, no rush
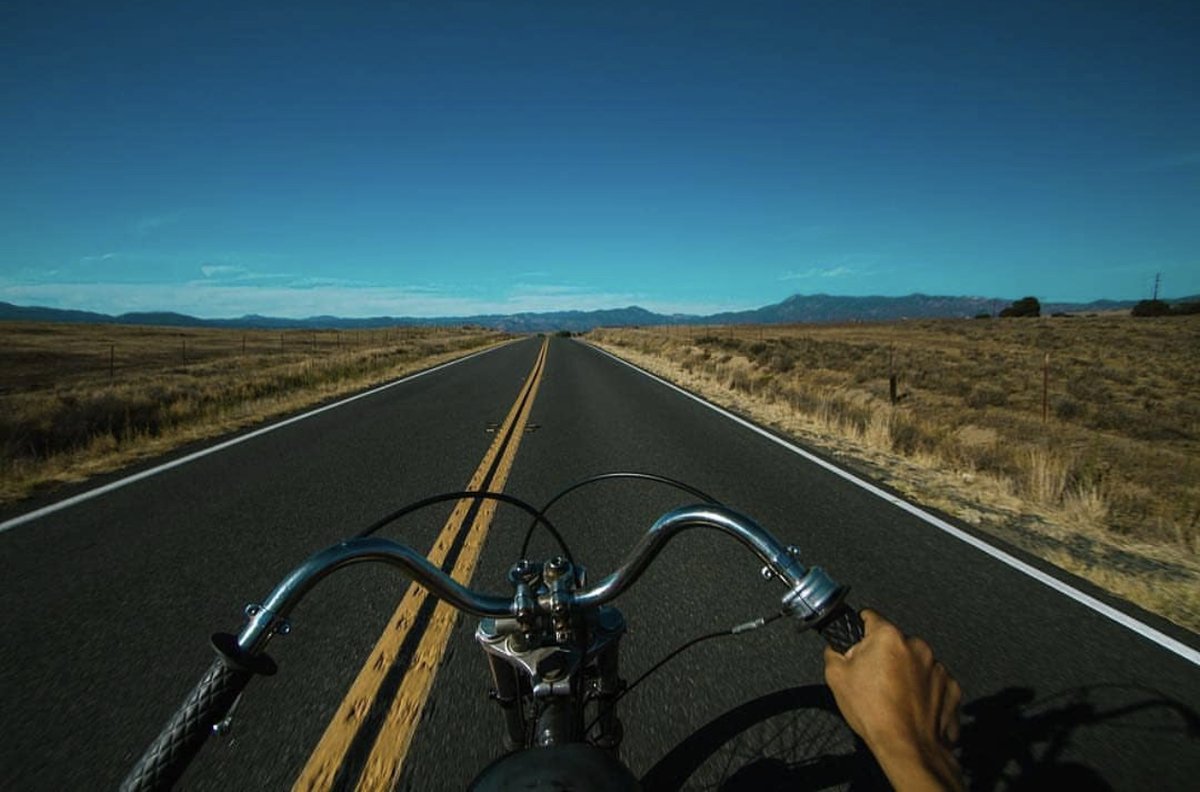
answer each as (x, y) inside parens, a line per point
(448, 158)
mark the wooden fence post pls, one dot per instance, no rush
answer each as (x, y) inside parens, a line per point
(1046, 388)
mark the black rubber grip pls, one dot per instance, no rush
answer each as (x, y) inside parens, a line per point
(842, 628)
(166, 759)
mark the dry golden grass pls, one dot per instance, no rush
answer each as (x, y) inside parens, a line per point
(1105, 482)
(81, 399)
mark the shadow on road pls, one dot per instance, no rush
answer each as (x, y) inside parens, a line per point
(795, 739)
(1013, 740)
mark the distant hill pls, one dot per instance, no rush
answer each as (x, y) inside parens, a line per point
(827, 308)
(799, 308)
(19, 313)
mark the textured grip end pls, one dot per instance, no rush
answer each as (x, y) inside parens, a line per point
(165, 760)
(842, 628)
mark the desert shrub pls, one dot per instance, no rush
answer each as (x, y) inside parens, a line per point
(836, 411)
(995, 459)
(1091, 389)
(1066, 409)
(803, 400)
(909, 438)
(781, 362)
(1047, 475)
(1151, 429)
(985, 394)
(1124, 376)
(1114, 417)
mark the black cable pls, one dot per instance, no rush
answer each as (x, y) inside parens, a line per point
(762, 621)
(688, 488)
(538, 516)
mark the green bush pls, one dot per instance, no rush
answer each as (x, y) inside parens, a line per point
(1026, 306)
(1151, 308)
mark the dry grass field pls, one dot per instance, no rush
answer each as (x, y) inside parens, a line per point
(1075, 438)
(81, 399)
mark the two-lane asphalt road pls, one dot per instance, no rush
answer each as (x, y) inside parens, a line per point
(108, 602)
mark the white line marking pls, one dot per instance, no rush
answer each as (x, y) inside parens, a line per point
(1121, 618)
(154, 471)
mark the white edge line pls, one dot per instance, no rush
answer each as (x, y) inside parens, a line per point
(1121, 618)
(154, 471)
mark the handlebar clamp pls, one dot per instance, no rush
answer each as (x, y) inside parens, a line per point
(813, 597)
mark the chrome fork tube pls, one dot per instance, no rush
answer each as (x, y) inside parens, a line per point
(608, 687)
(507, 693)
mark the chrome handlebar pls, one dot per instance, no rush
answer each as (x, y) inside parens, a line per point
(812, 597)
(811, 593)
(270, 618)
(780, 559)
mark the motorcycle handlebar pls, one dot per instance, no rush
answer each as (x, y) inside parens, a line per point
(812, 594)
(812, 597)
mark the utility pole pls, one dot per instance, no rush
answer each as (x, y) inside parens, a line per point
(1157, 278)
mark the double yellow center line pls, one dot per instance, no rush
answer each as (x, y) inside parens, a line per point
(365, 744)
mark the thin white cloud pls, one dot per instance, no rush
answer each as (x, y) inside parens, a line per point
(147, 224)
(547, 289)
(237, 275)
(813, 273)
(218, 299)
(97, 259)
(221, 270)
(310, 282)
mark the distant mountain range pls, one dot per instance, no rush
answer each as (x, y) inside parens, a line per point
(799, 308)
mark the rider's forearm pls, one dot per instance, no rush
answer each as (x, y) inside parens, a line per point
(911, 769)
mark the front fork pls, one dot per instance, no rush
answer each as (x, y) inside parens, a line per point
(506, 691)
(607, 687)
(543, 691)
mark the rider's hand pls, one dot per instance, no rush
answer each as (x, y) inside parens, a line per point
(902, 702)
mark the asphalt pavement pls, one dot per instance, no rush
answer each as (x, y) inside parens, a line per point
(108, 603)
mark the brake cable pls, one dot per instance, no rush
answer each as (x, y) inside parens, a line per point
(538, 515)
(654, 477)
(737, 629)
